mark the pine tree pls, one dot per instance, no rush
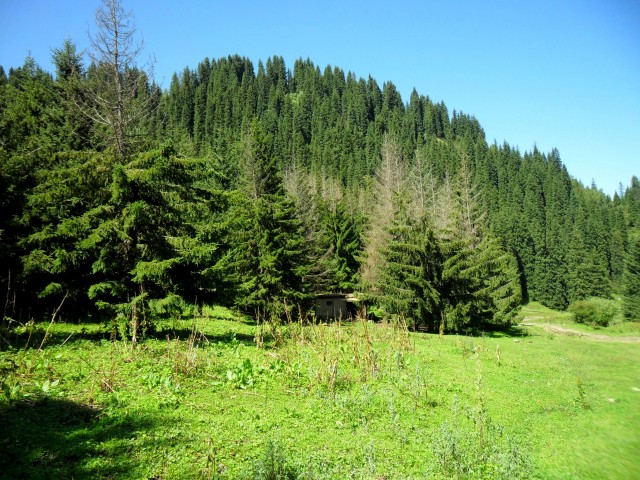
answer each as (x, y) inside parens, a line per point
(268, 261)
(631, 281)
(410, 278)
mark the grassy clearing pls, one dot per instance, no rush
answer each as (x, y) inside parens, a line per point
(362, 400)
(537, 313)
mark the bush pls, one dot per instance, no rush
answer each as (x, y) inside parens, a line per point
(273, 465)
(471, 446)
(594, 311)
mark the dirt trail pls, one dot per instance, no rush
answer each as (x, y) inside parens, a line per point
(559, 329)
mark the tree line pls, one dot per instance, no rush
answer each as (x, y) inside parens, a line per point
(260, 187)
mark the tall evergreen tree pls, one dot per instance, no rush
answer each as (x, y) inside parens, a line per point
(146, 255)
(59, 215)
(631, 281)
(267, 260)
(345, 240)
(479, 283)
(410, 278)
(310, 212)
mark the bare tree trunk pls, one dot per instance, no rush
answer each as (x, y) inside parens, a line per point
(114, 103)
(135, 322)
(389, 181)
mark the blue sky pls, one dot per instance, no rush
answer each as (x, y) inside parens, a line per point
(555, 73)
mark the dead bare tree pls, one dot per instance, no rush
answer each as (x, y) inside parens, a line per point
(118, 98)
(389, 181)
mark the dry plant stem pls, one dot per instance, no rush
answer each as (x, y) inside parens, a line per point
(259, 336)
(480, 418)
(6, 302)
(53, 317)
(105, 383)
(67, 339)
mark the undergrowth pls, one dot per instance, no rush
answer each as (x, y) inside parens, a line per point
(343, 400)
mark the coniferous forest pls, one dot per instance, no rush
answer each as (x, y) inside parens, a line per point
(260, 186)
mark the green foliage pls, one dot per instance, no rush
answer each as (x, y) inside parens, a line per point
(152, 228)
(140, 240)
(502, 284)
(631, 281)
(273, 465)
(412, 270)
(594, 311)
(480, 281)
(129, 237)
(267, 260)
(472, 446)
(345, 246)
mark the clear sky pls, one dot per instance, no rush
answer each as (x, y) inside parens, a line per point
(555, 73)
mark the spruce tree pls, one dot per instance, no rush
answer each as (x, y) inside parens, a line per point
(149, 252)
(479, 284)
(631, 281)
(116, 81)
(345, 241)
(268, 259)
(410, 278)
(59, 215)
(502, 280)
(387, 185)
(310, 211)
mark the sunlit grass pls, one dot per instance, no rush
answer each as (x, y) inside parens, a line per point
(535, 312)
(361, 400)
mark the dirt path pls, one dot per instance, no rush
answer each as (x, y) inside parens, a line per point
(559, 329)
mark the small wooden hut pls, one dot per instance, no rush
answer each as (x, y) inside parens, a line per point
(334, 306)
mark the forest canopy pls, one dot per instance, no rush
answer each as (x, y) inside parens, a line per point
(261, 186)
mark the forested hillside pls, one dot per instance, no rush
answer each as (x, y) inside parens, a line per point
(260, 186)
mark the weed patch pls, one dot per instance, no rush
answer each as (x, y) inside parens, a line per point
(366, 400)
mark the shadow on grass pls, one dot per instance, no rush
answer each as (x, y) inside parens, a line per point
(53, 438)
(513, 331)
(222, 338)
(33, 337)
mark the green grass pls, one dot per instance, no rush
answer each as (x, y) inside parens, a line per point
(363, 400)
(538, 313)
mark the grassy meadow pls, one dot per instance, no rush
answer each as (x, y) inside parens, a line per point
(366, 400)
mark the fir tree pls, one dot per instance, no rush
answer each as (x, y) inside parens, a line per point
(410, 278)
(142, 245)
(268, 258)
(631, 281)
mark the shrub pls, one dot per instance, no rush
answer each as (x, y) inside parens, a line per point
(273, 465)
(471, 446)
(594, 311)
